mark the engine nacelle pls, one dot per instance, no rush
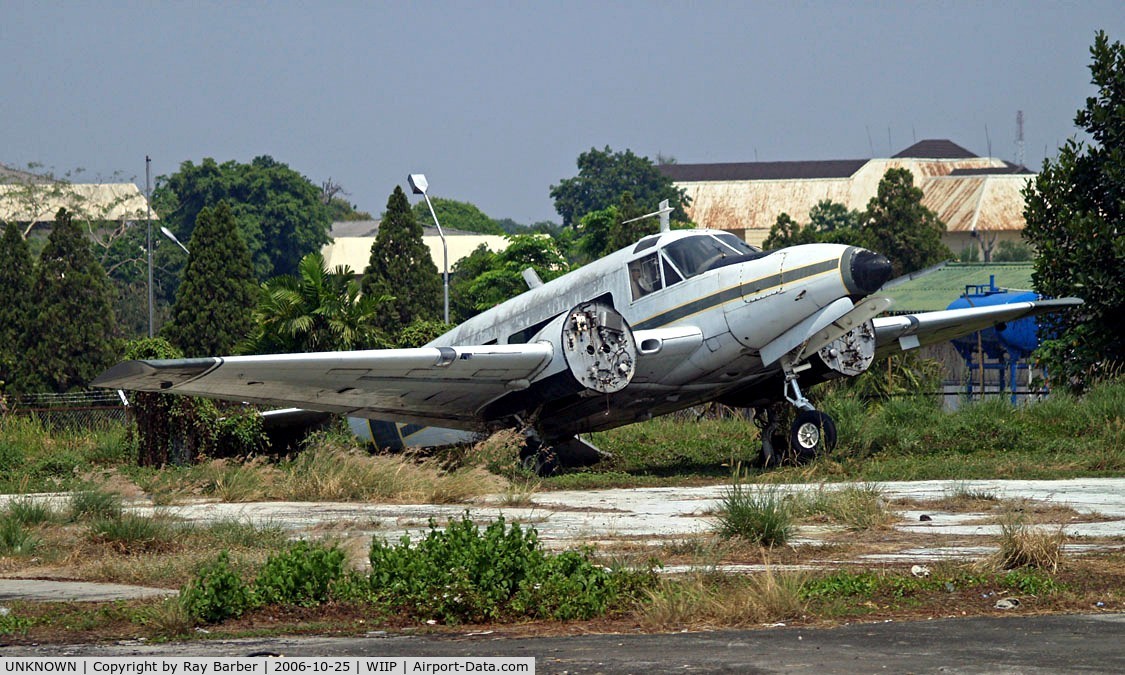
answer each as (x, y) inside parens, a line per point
(852, 353)
(599, 347)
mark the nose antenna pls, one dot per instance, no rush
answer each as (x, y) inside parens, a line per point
(665, 214)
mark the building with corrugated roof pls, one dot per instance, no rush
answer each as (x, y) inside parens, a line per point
(30, 199)
(978, 198)
(352, 240)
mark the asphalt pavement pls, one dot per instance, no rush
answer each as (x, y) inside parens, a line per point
(1036, 644)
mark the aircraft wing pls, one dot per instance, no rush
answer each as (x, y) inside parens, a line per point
(443, 386)
(900, 333)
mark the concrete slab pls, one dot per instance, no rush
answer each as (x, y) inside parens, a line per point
(642, 516)
(50, 590)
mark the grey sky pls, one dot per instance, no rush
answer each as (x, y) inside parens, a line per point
(495, 100)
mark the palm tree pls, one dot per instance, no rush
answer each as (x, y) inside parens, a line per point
(316, 311)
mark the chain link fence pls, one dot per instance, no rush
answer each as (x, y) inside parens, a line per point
(94, 409)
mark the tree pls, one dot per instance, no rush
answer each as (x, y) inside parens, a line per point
(401, 268)
(1075, 213)
(595, 230)
(829, 222)
(316, 311)
(788, 232)
(603, 176)
(73, 327)
(16, 311)
(333, 195)
(504, 280)
(462, 303)
(213, 307)
(455, 215)
(898, 226)
(835, 223)
(280, 213)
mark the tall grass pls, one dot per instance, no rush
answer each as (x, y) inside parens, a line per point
(29, 511)
(900, 438)
(335, 473)
(330, 471)
(15, 538)
(35, 458)
(95, 504)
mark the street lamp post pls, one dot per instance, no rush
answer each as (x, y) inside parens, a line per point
(168, 233)
(148, 221)
(419, 185)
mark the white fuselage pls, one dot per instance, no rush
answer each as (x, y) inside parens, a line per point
(714, 322)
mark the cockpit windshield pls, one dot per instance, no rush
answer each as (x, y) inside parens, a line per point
(697, 254)
(736, 243)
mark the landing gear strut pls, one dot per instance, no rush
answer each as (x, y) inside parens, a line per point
(812, 433)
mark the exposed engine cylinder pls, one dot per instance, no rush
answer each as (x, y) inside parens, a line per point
(599, 347)
(851, 353)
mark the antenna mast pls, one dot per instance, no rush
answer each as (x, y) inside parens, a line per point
(665, 214)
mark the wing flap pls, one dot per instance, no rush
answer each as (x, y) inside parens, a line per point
(424, 385)
(899, 333)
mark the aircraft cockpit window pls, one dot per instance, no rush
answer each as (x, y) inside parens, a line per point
(644, 275)
(694, 255)
(736, 243)
(647, 242)
(671, 276)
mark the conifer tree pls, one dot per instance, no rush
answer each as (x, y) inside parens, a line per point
(898, 226)
(74, 325)
(16, 278)
(214, 304)
(401, 268)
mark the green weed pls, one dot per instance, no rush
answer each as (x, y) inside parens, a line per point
(461, 574)
(302, 575)
(759, 515)
(217, 592)
(857, 507)
(1030, 581)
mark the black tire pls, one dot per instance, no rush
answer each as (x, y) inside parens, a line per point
(539, 460)
(813, 433)
(775, 452)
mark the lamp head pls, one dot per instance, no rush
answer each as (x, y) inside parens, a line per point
(418, 183)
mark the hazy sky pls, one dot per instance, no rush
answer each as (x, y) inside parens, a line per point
(494, 101)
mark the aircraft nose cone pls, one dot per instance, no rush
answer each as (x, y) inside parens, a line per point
(869, 271)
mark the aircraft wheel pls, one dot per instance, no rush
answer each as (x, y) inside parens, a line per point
(775, 449)
(539, 460)
(812, 433)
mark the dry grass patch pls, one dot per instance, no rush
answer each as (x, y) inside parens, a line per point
(705, 600)
(346, 475)
(1024, 546)
(856, 507)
